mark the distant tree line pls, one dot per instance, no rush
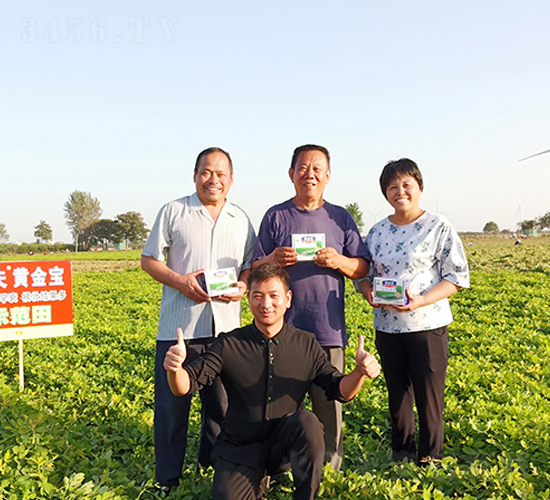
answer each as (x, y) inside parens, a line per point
(525, 226)
(542, 222)
(89, 230)
(83, 215)
(34, 248)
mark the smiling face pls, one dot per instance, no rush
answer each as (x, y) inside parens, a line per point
(310, 176)
(403, 194)
(268, 302)
(213, 179)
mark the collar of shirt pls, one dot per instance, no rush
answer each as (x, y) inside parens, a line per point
(196, 205)
(263, 339)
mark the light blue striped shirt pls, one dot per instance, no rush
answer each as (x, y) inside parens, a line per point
(185, 234)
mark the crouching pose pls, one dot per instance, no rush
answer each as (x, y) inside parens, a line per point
(267, 369)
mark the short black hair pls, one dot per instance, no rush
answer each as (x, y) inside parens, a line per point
(309, 147)
(209, 151)
(267, 271)
(397, 169)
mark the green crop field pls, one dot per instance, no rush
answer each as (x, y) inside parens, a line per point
(82, 428)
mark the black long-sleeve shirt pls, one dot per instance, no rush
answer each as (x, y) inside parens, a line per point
(265, 380)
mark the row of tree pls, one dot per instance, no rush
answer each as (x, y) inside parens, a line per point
(542, 222)
(42, 233)
(83, 215)
(128, 227)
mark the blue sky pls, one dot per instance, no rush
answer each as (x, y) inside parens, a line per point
(117, 99)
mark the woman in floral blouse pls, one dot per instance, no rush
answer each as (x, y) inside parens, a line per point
(423, 248)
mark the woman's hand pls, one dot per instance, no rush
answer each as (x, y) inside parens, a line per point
(440, 291)
(365, 287)
(415, 302)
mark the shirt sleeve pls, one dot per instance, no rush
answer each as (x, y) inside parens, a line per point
(203, 370)
(265, 243)
(159, 240)
(453, 265)
(249, 247)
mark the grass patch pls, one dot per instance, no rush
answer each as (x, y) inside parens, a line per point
(121, 255)
(82, 429)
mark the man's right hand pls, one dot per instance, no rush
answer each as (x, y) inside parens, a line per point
(185, 283)
(365, 361)
(176, 355)
(284, 256)
(190, 287)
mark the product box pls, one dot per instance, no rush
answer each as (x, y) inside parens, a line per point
(219, 282)
(390, 291)
(307, 245)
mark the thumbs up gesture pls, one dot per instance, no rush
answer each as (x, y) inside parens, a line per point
(176, 354)
(366, 362)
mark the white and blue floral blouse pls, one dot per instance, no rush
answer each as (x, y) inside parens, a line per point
(424, 252)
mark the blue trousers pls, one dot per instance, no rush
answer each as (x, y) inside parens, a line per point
(172, 416)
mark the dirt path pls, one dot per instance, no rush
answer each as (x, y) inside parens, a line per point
(82, 266)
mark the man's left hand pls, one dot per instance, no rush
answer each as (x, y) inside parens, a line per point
(366, 362)
(328, 257)
(235, 297)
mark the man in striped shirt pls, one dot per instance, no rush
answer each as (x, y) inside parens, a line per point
(192, 234)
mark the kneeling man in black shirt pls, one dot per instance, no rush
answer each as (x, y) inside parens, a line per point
(267, 369)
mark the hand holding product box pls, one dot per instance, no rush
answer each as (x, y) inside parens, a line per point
(307, 245)
(220, 282)
(390, 291)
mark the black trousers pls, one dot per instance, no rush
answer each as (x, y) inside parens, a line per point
(298, 439)
(172, 417)
(414, 366)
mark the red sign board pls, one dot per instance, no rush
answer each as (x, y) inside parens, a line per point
(36, 299)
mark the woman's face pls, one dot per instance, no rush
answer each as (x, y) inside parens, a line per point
(403, 194)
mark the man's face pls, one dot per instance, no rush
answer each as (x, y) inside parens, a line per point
(310, 174)
(213, 178)
(268, 302)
